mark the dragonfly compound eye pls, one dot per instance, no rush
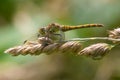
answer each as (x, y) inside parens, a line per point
(42, 31)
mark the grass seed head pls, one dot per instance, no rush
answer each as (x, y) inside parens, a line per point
(96, 51)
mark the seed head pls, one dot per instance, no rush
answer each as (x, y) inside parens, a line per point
(13, 51)
(96, 51)
(115, 33)
(37, 48)
(44, 41)
(70, 47)
(52, 48)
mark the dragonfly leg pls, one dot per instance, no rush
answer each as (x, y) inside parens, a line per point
(59, 37)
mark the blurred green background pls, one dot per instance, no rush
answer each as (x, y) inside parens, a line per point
(21, 19)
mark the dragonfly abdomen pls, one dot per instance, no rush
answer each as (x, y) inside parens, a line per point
(67, 27)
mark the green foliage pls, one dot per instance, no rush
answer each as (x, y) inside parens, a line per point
(20, 18)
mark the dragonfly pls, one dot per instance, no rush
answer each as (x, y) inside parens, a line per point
(56, 31)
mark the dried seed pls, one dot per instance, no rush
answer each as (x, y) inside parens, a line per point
(114, 33)
(96, 51)
(70, 47)
(52, 48)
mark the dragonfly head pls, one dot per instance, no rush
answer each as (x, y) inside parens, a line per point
(42, 31)
(53, 27)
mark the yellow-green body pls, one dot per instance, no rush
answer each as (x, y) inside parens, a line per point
(56, 31)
